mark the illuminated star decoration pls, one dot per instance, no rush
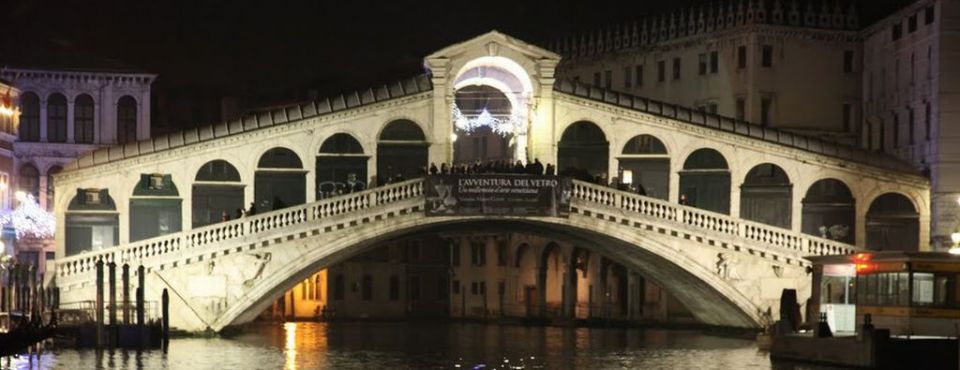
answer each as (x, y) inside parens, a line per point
(29, 220)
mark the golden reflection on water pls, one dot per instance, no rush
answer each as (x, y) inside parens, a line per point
(290, 346)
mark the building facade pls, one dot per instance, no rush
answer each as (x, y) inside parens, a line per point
(9, 118)
(766, 62)
(810, 67)
(910, 91)
(63, 115)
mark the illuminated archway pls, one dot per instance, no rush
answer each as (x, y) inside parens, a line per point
(511, 88)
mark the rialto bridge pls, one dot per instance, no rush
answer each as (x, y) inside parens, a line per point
(727, 213)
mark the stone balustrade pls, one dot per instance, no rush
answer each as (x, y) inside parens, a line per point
(710, 221)
(208, 235)
(629, 203)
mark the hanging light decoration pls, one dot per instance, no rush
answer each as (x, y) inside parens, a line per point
(29, 220)
(503, 125)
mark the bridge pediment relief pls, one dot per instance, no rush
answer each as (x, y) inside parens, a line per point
(453, 60)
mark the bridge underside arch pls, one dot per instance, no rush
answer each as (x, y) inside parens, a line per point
(709, 298)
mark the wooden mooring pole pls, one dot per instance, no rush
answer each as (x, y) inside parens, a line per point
(141, 277)
(126, 293)
(112, 283)
(165, 310)
(98, 306)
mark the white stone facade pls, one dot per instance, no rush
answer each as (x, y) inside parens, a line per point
(766, 62)
(102, 91)
(726, 270)
(887, 87)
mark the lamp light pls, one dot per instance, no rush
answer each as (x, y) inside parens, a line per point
(955, 248)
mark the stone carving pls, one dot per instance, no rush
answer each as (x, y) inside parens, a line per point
(257, 262)
(722, 265)
(778, 271)
(726, 267)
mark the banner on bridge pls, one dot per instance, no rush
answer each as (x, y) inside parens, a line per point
(497, 195)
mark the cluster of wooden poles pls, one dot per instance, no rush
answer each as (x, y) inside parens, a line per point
(23, 293)
(109, 333)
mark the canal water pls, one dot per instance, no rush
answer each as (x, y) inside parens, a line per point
(424, 345)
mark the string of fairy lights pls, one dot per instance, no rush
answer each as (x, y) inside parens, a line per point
(29, 220)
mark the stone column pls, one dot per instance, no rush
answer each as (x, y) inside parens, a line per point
(43, 118)
(143, 119)
(541, 134)
(70, 120)
(860, 211)
(107, 120)
(439, 130)
(736, 179)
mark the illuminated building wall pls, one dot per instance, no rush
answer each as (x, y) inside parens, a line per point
(62, 115)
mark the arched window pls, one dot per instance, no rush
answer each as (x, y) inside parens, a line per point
(83, 119)
(401, 151)
(50, 185)
(705, 181)
(341, 166)
(218, 171)
(91, 222)
(893, 224)
(30, 180)
(217, 190)
(57, 118)
(645, 166)
(766, 196)
(583, 151)
(829, 211)
(402, 130)
(280, 158)
(154, 207)
(280, 180)
(126, 120)
(29, 117)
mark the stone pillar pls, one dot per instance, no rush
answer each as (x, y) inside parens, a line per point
(143, 113)
(186, 203)
(541, 130)
(107, 121)
(43, 118)
(439, 130)
(70, 120)
(796, 205)
(860, 210)
(736, 179)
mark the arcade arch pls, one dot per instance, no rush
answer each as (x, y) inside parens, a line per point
(829, 211)
(893, 224)
(216, 190)
(401, 151)
(766, 196)
(341, 166)
(583, 151)
(705, 181)
(280, 180)
(92, 222)
(645, 164)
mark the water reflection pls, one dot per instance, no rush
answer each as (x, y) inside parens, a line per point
(307, 345)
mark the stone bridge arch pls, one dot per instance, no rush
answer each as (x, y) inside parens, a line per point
(710, 297)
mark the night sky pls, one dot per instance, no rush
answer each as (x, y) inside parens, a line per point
(273, 51)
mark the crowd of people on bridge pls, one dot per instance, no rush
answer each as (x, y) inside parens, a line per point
(491, 167)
